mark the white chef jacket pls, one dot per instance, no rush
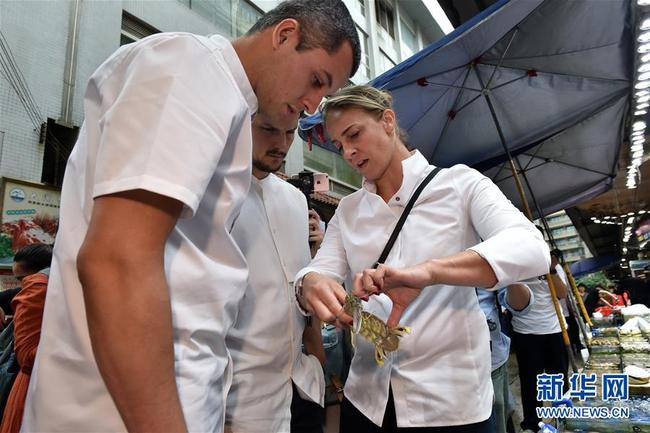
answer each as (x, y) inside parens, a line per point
(169, 114)
(440, 376)
(272, 231)
(541, 319)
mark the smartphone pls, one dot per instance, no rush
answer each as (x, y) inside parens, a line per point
(321, 182)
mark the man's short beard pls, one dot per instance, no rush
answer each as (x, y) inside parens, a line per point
(266, 168)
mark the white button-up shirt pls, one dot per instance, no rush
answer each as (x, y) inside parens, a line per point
(272, 231)
(440, 375)
(169, 114)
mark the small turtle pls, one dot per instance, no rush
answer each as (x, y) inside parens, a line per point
(373, 329)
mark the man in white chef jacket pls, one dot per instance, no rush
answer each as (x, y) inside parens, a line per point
(273, 231)
(146, 278)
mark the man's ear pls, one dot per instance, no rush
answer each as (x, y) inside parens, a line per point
(286, 31)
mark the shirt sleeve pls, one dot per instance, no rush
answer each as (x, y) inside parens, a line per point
(167, 109)
(512, 245)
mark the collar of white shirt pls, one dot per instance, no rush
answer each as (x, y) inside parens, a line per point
(413, 170)
(238, 71)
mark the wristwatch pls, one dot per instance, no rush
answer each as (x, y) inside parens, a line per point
(300, 298)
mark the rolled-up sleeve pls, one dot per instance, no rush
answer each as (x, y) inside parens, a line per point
(512, 245)
(163, 131)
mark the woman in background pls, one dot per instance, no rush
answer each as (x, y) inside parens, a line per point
(31, 267)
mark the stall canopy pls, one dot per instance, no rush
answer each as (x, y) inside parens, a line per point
(592, 264)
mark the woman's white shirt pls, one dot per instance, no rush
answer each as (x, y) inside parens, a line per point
(440, 376)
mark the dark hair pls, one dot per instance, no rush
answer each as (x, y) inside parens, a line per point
(34, 257)
(325, 24)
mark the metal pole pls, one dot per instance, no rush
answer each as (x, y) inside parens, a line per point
(529, 214)
(565, 266)
(577, 295)
(70, 66)
(581, 324)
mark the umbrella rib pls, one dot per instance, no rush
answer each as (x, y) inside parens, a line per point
(459, 109)
(565, 52)
(509, 175)
(454, 87)
(444, 128)
(424, 112)
(509, 82)
(569, 164)
(503, 165)
(505, 52)
(408, 83)
(558, 133)
(534, 155)
(540, 214)
(539, 71)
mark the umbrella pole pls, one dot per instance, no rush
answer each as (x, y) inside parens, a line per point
(572, 293)
(518, 184)
(556, 302)
(565, 266)
(577, 295)
(558, 312)
(529, 214)
(578, 317)
(572, 283)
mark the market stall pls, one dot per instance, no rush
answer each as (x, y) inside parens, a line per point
(620, 344)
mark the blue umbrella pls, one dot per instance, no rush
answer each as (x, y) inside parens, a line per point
(540, 87)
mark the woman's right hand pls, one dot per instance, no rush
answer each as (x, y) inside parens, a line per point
(325, 297)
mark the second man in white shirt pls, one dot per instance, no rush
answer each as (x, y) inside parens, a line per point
(273, 231)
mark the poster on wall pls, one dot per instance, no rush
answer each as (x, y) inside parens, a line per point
(30, 214)
(7, 280)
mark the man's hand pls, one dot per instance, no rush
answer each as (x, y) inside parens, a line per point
(315, 232)
(401, 285)
(324, 297)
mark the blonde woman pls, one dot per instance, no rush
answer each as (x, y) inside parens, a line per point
(462, 233)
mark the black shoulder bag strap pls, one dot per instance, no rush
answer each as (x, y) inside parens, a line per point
(402, 218)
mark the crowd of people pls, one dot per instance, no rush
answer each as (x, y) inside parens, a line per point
(189, 284)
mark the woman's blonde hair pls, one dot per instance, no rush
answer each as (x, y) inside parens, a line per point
(366, 98)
